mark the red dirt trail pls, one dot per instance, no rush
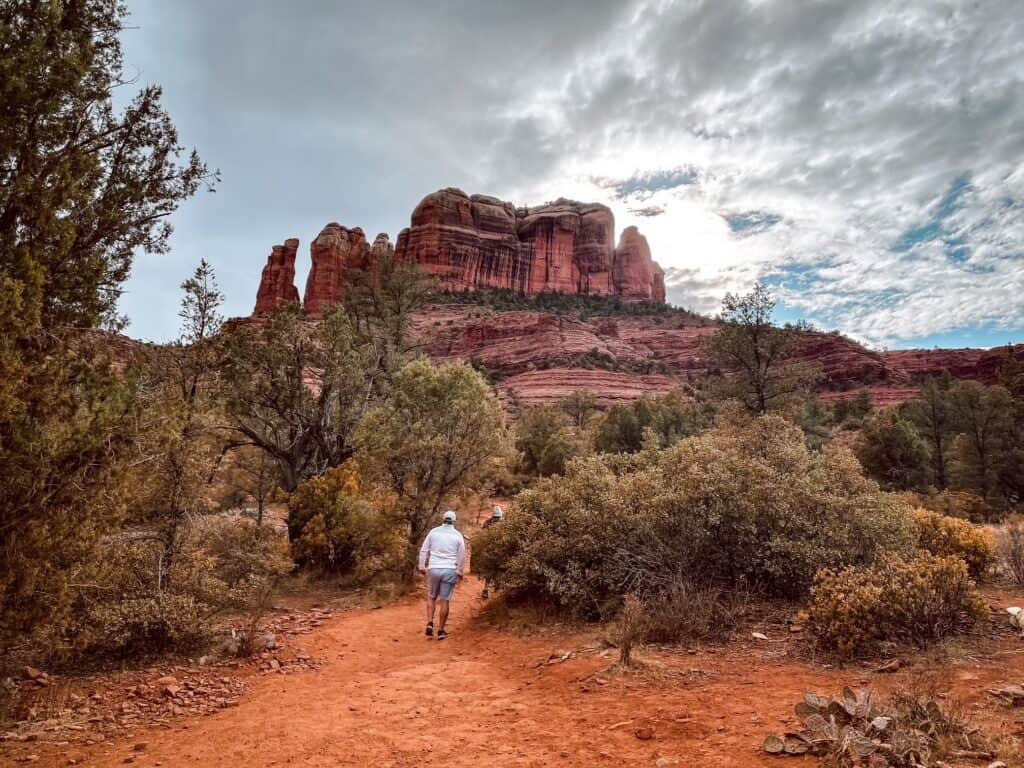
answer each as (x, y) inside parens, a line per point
(388, 696)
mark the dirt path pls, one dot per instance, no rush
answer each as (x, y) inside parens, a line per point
(387, 696)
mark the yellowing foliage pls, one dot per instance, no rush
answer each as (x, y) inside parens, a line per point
(915, 601)
(338, 529)
(943, 535)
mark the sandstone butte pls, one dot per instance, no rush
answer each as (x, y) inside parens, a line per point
(473, 242)
(467, 243)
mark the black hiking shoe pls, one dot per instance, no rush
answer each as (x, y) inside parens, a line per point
(441, 634)
(430, 629)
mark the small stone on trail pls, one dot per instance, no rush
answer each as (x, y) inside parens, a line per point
(31, 673)
(892, 665)
(644, 733)
(759, 636)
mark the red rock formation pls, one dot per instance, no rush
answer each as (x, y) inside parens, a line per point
(277, 284)
(381, 248)
(565, 246)
(979, 364)
(540, 357)
(636, 276)
(335, 249)
(610, 387)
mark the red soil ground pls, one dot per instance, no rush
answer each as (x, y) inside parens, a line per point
(388, 696)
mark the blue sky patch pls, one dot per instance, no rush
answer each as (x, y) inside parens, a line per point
(933, 229)
(649, 183)
(751, 222)
(984, 336)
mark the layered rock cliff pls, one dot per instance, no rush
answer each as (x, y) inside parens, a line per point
(277, 284)
(538, 357)
(469, 242)
(476, 242)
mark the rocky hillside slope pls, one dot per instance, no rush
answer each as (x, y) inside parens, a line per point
(537, 357)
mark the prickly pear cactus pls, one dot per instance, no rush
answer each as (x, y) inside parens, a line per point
(851, 731)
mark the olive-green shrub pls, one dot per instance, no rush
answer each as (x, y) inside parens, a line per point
(340, 530)
(747, 505)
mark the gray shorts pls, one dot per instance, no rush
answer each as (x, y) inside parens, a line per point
(441, 582)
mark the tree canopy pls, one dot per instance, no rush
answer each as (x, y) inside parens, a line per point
(754, 355)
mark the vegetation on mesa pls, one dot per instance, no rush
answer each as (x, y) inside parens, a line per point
(581, 305)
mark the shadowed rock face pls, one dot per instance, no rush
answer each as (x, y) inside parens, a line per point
(636, 275)
(335, 249)
(565, 246)
(277, 284)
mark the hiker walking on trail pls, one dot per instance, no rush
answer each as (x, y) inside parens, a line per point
(442, 559)
(496, 517)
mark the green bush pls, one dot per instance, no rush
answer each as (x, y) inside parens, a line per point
(942, 535)
(668, 418)
(747, 505)
(340, 531)
(916, 601)
(892, 452)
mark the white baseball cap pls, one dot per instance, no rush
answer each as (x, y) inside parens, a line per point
(449, 516)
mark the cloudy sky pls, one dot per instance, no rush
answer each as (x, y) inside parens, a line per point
(865, 158)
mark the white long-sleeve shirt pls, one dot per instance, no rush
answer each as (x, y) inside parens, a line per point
(445, 548)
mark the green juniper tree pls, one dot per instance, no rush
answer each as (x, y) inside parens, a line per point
(83, 187)
(932, 414)
(436, 436)
(754, 356)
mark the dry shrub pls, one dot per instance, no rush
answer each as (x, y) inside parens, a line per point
(915, 601)
(144, 626)
(1011, 547)
(629, 629)
(147, 603)
(943, 725)
(688, 612)
(943, 535)
(962, 504)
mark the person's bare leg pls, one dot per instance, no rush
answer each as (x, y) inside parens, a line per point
(444, 612)
(431, 606)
